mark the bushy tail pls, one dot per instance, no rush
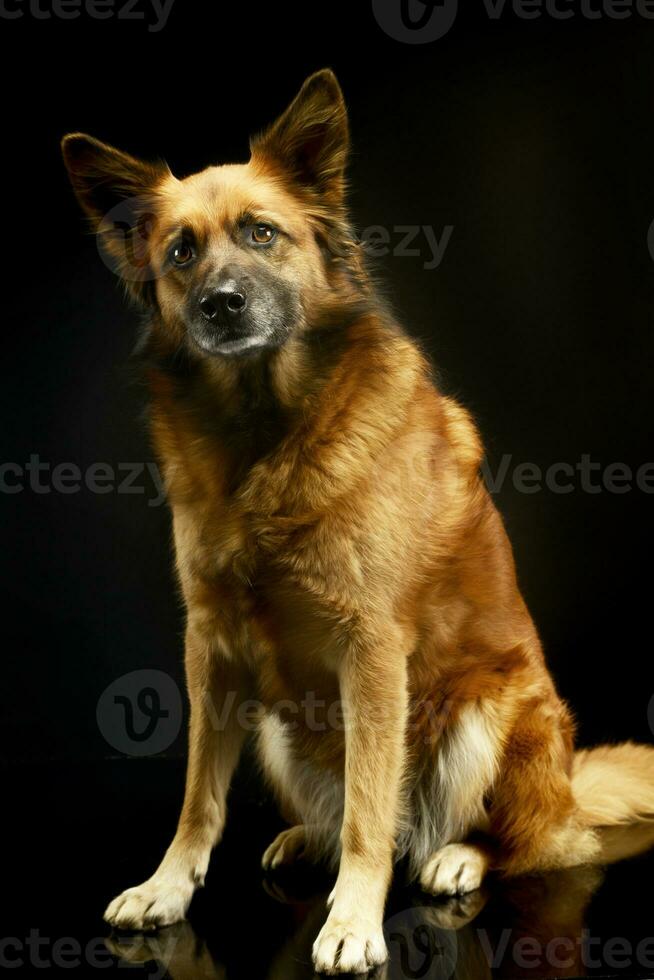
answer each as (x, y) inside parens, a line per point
(614, 784)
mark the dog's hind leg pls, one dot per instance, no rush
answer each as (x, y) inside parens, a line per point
(532, 823)
(534, 818)
(310, 799)
(446, 854)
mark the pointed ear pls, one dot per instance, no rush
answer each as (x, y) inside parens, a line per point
(309, 142)
(117, 193)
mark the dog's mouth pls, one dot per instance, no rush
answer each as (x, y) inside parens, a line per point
(231, 346)
(229, 342)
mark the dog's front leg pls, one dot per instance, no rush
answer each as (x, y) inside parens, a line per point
(216, 687)
(373, 681)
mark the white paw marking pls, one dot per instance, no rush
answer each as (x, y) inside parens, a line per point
(285, 848)
(350, 945)
(155, 903)
(454, 870)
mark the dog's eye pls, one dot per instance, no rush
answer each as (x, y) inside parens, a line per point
(262, 234)
(182, 253)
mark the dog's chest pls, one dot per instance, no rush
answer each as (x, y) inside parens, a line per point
(260, 585)
(251, 595)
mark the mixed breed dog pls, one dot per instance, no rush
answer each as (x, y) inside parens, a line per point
(333, 535)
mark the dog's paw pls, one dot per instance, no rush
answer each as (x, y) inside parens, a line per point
(285, 848)
(350, 945)
(155, 903)
(454, 870)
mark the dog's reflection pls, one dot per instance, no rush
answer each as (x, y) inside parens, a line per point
(473, 937)
(176, 952)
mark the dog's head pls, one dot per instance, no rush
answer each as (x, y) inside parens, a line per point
(233, 258)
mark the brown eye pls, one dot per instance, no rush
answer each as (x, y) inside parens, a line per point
(263, 234)
(182, 253)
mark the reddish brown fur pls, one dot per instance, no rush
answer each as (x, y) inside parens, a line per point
(333, 534)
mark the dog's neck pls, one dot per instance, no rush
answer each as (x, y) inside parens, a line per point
(244, 408)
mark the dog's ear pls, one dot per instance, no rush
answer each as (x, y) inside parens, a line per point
(104, 177)
(117, 193)
(309, 142)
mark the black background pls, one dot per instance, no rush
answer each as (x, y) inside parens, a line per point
(533, 139)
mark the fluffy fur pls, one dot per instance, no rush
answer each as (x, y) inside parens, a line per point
(333, 535)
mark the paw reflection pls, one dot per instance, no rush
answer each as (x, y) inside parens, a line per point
(468, 937)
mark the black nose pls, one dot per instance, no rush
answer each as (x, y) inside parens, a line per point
(227, 299)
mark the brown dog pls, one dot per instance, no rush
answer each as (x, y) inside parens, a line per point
(335, 547)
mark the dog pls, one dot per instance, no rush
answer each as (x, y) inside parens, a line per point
(336, 549)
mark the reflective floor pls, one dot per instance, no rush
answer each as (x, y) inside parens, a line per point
(80, 833)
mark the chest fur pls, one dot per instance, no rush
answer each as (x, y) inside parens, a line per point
(258, 585)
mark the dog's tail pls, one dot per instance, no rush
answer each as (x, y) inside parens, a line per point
(614, 784)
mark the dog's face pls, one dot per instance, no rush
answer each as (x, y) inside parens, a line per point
(232, 257)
